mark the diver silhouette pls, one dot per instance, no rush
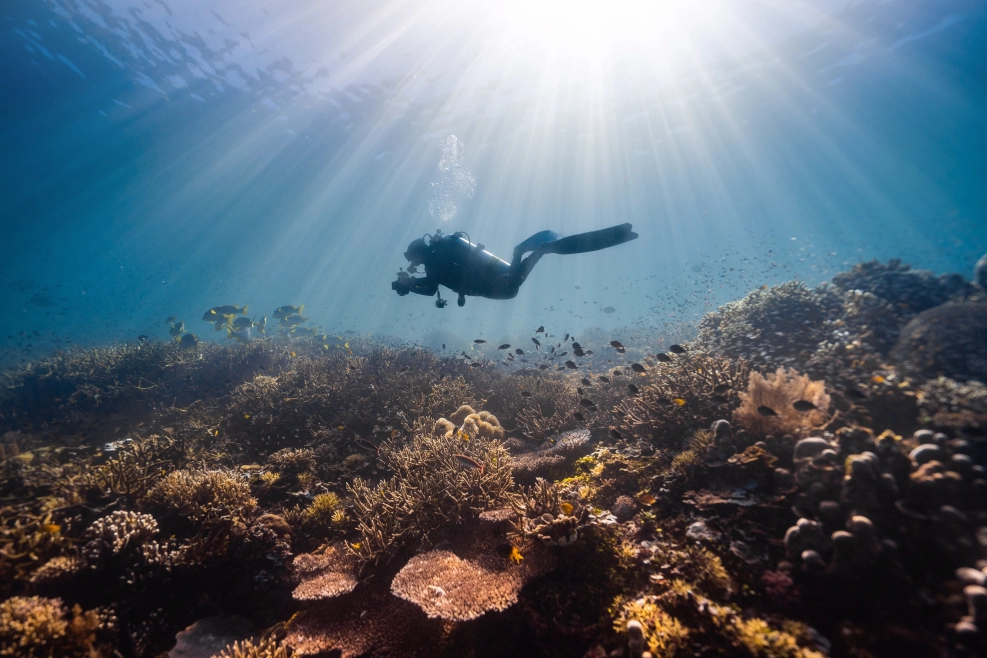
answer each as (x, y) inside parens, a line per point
(457, 263)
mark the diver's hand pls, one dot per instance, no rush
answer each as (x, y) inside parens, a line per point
(403, 285)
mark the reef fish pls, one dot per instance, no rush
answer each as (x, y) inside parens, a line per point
(535, 341)
(177, 329)
(803, 405)
(677, 349)
(216, 311)
(664, 358)
(292, 320)
(632, 389)
(766, 411)
(242, 322)
(722, 388)
(367, 445)
(570, 364)
(479, 341)
(504, 346)
(510, 553)
(469, 462)
(637, 367)
(608, 309)
(285, 311)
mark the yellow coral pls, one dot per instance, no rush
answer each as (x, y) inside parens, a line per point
(459, 415)
(665, 635)
(443, 427)
(323, 506)
(202, 495)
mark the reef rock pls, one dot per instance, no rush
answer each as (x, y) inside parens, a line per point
(948, 340)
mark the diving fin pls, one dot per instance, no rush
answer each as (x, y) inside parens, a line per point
(590, 241)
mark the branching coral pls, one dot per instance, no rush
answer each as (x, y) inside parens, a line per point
(264, 648)
(39, 627)
(769, 405)
(681, 397)
(537, 405)
(203, 496)
(135, 468)
(435, 483)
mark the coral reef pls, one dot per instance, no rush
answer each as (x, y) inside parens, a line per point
(338, 496)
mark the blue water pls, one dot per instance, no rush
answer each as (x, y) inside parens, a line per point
(160, 158)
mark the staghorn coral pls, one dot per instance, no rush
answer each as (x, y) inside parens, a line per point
(263, 648)
(545, 516)
(37, 627)
(203, 496)
(665, 635)
(430, 488)
(778, 392)
(547, 411)
(135, 468)
(678, 398)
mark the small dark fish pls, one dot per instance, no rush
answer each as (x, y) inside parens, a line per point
(617, 345)
(677, 349)
(585, 381)
(615, 434)
(719, 399)
(856, 394)
(535, 341)
(367, 445)
(504, 346)
(566, 337)
(518, 351)
(189, 340)
(637, 367)
(570, 364)
(803, 405)
(475, 364)
(443, 345)
(552, 351)
(722, 388)
(469, 462)
(544, 366)
(579, 389)
(578, 416)
(632, 389)
(170, 319)
(540, 330)
(587, 403)
(577, 350)
(766, 411)
(526, 394)
(664, 358)
(664, 402)
(479, 341)
(608, 309)
(604, 379)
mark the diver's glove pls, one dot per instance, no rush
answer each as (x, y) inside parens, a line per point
(403, 285)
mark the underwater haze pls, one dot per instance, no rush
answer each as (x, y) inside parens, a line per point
(529, 328)
(163, 158)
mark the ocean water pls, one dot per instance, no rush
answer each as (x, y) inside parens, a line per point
(162, 158)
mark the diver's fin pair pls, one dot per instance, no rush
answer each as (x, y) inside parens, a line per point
(590, 241)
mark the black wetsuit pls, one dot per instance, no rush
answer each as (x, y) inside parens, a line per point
(468, 269)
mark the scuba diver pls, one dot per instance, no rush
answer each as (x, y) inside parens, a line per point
(465, 267)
